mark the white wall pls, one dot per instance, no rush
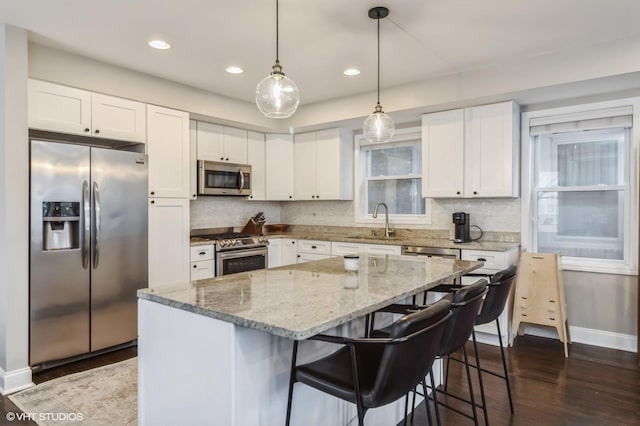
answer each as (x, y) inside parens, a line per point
(14, 211)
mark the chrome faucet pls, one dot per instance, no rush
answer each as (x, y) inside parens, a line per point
(387, 231)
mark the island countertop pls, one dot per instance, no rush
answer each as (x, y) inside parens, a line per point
(299, 301)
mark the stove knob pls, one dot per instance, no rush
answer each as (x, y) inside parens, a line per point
(233, 242)
(222, 243)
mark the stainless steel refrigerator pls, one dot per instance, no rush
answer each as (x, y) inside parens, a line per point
(88, 252)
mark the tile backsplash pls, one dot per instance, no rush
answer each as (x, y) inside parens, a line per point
(492, 215)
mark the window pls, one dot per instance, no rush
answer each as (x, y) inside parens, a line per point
(391, 173)
(581, 202)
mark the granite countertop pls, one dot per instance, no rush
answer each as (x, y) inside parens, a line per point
(299, 301)
(394, 241)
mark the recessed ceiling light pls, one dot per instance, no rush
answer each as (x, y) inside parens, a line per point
(159, 44)
(234, 70)
(351, 71)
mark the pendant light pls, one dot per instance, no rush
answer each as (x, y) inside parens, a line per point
(277, 95)
(378, 127)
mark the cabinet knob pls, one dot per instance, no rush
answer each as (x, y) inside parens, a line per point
(195, 266)
(290, 196)
(153, 202)
(86, 129)
(313, 196)
(226, 159)
(153, 192)
(293, 242)
(317, 196)
(250, 196)
(457, 192)
(222, 158)
(475, 192)
(193, 195)
(96, 131)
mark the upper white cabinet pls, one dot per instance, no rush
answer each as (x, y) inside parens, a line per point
(279, 167)
(65, 109)
(323, 165)
(471, 152)
(168, 148)
(256, 158)
(220, 143)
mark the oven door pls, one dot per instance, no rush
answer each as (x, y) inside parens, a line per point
(232, 262)
(216, 178)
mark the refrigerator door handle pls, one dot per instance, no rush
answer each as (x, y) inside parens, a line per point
(96, 215)
(86, 223)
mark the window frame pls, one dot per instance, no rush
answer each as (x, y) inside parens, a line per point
(629, 264)
(401, 137)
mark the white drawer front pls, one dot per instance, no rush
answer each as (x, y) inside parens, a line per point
(201, 270)
(314, 246)
(495, 260)
(340, 248)
(381, 249)
(308, 257)
(201, 253)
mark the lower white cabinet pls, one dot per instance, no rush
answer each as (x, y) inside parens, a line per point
(169, 254)
(339, 248)
(282, 252)
(381, 249)
(202, 262)
(309, 250)
(494, 261)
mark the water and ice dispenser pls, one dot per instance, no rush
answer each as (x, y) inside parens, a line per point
(60, 225)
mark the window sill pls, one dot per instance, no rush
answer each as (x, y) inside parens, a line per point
(612, 267)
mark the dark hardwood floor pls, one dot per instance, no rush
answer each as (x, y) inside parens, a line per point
(594, 386)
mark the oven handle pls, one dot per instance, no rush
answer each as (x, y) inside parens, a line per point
(242, 253)
(241, 181)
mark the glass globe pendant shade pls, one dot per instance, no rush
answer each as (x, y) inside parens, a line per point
(378, 127)
(277, 96)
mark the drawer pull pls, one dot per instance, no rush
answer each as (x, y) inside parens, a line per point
(482, 259)
(552, 301)
(202, 253)
(523, 297)
(524, 315)
(314, 247)
(552, 319)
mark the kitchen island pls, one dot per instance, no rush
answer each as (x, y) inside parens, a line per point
(218, 351)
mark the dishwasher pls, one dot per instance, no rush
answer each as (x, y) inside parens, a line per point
(450, 253)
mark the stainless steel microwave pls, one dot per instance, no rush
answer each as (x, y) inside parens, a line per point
(218, 178)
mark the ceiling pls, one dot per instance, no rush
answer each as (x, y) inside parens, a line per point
(420, 39)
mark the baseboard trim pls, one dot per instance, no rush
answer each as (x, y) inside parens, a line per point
(14, 381)
(589, 336)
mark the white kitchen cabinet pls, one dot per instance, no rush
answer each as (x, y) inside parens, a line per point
(168, 149)
(274, 253)
(58, 108)
(381, 249)
(169, 248)
(339, 248)
(323, 165)
(471, 152)
(256, 158)
(193, 160)
(202, 262)
(116, 118)
(442, 154)
(289, 251)
(309, 250)
(279, 167)
(494, 261)
(220, 143)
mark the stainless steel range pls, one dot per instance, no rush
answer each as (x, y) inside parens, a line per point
(237, 252)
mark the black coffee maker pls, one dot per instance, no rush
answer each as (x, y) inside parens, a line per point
(461, 221)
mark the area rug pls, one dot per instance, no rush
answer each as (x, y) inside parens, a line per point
(103, 396)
